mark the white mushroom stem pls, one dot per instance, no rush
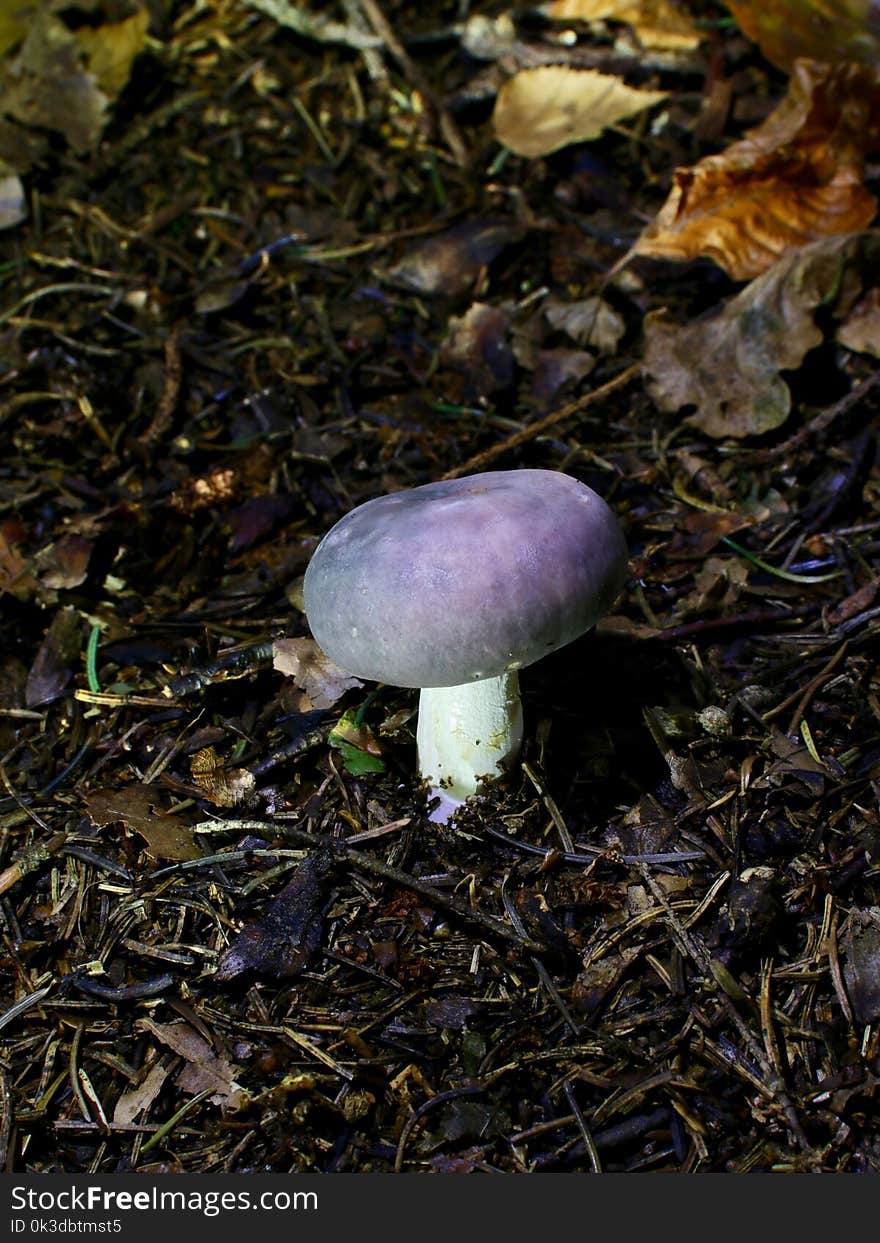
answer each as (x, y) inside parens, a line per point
(467, 734)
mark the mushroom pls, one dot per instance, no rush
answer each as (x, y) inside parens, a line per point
(453, 587)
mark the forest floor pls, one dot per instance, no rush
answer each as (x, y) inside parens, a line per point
(290, 274)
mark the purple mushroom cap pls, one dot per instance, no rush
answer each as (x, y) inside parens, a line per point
(464, 579)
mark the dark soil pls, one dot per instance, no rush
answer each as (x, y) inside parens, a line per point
(227, 945)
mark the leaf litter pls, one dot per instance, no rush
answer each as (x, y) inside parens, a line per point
(226, 912)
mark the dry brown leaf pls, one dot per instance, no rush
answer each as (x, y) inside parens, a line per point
(53, 664)
(728, 364)
(449, 263)
(64, 564)
(47, 86)
(63, 79)
(861, 330)
(861, 967)
(540, 110)
(111, 48)
(139, 807)
(591, 321)
(224, 787)
(828, 30)
(16, 576)
(795, 178)
(139, 1098)
(204, 1068)
(477, 344)
(658, 24)
(321, 681)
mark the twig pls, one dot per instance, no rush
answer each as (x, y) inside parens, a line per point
(479, 460)
(692, 947)
(448, 128)
(170, 392)
(373, 867)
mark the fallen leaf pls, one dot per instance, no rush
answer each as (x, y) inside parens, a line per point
(718, 584)
(860, 331)
(225, 787)
(553, 368)
(728, 363)
(861, 965)
(700, 530)
(139, 808)
(64, 564)
(450, 262)
(537, 111)
(110, 48)
(321, 681)
(47, 86)
(51, 670)
(478, 344)
(795, 178)
(138, 1099)
(16, 576)
(204, 1069)
(658, 24)
(829, 30)
(591, 321)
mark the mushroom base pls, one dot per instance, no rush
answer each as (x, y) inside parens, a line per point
(467, 734)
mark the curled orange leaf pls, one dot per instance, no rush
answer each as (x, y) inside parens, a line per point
(796, 178)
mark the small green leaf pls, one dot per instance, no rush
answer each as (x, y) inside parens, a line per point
(360, 750)
(357, 762)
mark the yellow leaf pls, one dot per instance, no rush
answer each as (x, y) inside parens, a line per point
(540, 110)
(111, 48)
(14, 18)
(658, 24)
(795, 178)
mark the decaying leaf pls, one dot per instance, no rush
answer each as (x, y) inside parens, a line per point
(138, 1099)
(829, 30)
(204, 1068)
(63, 79)
(110, 48)
(658, 24)
(728, 363)
(541, 110)
(318, 678)
(139, 807)
(282, 942)
(793, 179)
(16, 574)
(554, 368)
(448, 263)
(48, 86)
(861, 330)
(64, 564)
(225, 787)
(478, 344)
(861, 969)
(591, 321)
(52, 667)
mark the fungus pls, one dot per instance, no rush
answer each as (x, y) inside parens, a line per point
(455, 586)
